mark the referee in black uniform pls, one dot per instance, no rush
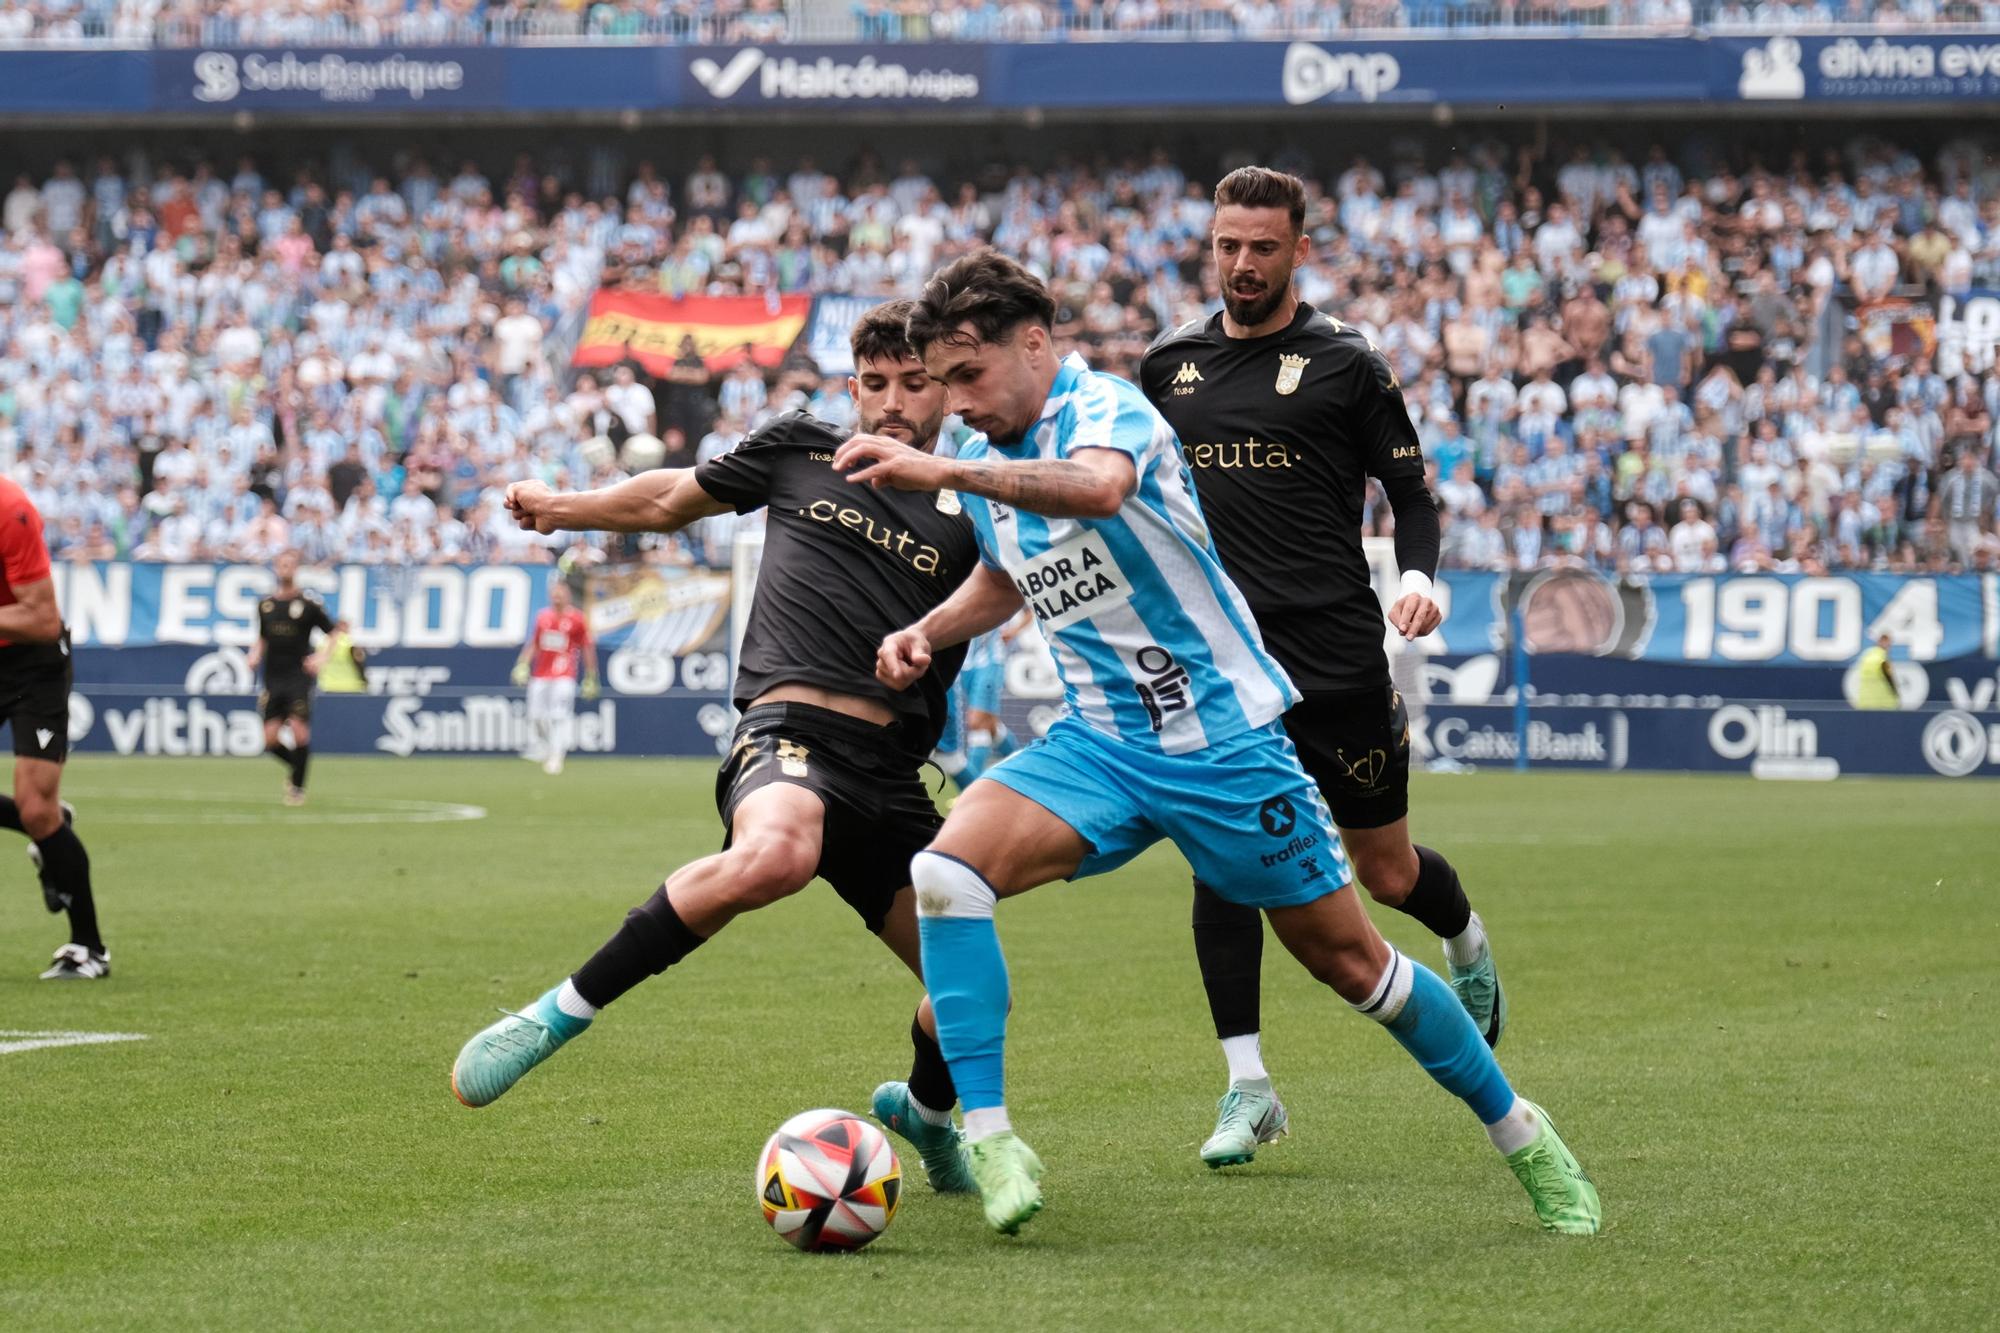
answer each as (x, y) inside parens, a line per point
(1283, 414)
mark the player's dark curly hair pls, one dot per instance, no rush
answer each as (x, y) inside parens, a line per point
(1261, 187)
(881, 334)
(985, 289)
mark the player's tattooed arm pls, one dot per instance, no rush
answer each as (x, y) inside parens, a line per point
(1091, 484)
(663, 500)
(986, 600)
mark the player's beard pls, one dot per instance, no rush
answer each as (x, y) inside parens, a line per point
(1253, 309)
(918, 435)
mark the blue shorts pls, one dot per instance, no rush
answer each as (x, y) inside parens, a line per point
(981, 685)
(1242, 812)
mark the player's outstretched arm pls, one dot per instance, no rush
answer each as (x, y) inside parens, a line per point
(1092, 483)
(33, 618)
(663, 500)
(987, 598)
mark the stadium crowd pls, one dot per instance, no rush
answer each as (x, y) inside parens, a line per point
(179, 23)
(1642, 365)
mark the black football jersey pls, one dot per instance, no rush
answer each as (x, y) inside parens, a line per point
(286, 626)
(1281, 434)
(844, 566)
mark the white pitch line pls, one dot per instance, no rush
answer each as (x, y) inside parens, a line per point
(262, 812)
(41, 1041)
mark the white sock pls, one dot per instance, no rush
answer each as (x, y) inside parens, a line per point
(1464, 948)
(1517, 1129)
(573, 1004)
(986, 1122)
(1246, 1057)
(929, 1116)
(1391, 992)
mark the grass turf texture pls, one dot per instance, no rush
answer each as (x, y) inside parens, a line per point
(1763, 1015)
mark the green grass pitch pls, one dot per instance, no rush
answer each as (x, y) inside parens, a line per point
(1764, 1014)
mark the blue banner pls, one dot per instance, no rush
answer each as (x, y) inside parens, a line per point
(1187, 76)
(169, 722)
(902, 75)
(1726, 619)
(388, 79)
(1778, 741)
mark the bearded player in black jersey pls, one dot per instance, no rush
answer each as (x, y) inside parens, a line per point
(822, 776)
(286, 621)
(1283, 413)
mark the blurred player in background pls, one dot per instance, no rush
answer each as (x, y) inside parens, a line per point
(285, 624)
(823, 775)
(343, 667)
(1082, 508)
(35, 678)
(557, 647)
(975, 738)
(1283, 413)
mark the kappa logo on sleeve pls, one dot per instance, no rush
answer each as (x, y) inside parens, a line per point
(1072, 582)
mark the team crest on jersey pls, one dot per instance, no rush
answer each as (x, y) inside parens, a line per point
(947, 503)
(298, 609)
(1291, 369)
(1185, 378)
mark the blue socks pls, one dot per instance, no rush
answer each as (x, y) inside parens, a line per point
(1426, 1019)
(983, 749)
(966, 975)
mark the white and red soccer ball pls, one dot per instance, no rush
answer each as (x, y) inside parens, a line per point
(828, 1180)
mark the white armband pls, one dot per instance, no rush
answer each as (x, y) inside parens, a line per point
(1417, 582)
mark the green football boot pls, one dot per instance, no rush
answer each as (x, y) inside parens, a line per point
(1478, 989)
(496, 1057)
(1248, 1114)
(1006, 1171)
(940, 1147)
(1565, 1200)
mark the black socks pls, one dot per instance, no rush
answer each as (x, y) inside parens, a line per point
(930, 1077)
(652, 940)
(66, 872)
(1437, 900)
(1229, 946)
(293, 757)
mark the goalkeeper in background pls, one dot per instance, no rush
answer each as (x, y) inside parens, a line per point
(558, 644)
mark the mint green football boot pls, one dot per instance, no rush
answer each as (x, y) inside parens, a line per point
(1478, 989)
(1248, 1114)
(496, 1057)
(1565, 1199)
(1008, 1175)
(941, 1148)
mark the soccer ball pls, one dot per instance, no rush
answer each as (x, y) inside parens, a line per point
(828, 1180)
(642, 453)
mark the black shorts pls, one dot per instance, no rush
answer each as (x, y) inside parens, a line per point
(878, 812)
(35, 683)
(1356, 745)
(287, 698)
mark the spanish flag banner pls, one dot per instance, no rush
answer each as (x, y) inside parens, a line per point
(650, 329)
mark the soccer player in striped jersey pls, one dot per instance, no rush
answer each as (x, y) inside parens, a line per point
(1083, 509)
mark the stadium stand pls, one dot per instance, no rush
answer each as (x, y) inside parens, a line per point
(182, 23)
(1643, 363)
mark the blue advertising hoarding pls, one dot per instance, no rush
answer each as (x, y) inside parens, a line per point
(1486, 70)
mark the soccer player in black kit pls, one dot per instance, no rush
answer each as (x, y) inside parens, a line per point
(823, 774)
(285, 624)
(1283, 414)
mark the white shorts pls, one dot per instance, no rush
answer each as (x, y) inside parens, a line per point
(551, 698)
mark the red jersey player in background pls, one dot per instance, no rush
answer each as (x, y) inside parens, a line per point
(35, 681)
(559, 640)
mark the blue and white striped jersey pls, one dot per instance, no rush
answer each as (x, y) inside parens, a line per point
(987, 650)
(1155, 645)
